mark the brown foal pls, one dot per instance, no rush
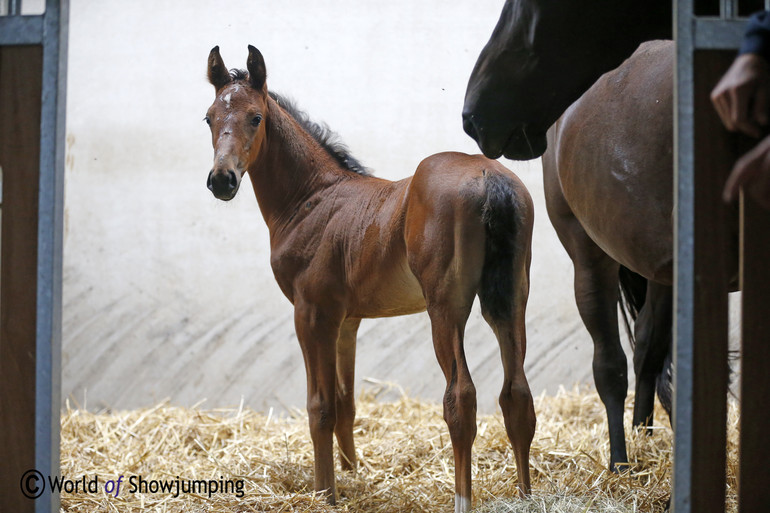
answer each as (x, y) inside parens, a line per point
(346, 246)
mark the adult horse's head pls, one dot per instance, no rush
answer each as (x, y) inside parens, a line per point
(235, 118)
(542, 56)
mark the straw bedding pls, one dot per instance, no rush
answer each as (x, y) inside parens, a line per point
(405, 460)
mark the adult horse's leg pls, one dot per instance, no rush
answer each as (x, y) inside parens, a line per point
(318, 331)
(346, 401)
(652, 332)
(596, 295)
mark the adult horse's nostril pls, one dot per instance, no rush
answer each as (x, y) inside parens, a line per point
(469, 126)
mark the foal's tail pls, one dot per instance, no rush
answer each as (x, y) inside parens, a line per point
(500, 217)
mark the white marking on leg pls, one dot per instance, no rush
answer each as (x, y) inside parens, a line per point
(462, 504)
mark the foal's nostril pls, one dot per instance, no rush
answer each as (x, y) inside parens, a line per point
(233, 179)
(222, 183)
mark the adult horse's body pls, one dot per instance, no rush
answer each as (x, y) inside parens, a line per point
(542, 56)
(608, 176)
(347, 246)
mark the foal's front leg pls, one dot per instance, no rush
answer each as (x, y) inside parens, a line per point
(346, 401)
(317, 330)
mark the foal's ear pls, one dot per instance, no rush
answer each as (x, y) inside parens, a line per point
(256, 66)
(218, 75)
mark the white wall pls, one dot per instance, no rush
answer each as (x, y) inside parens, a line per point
(168, 292)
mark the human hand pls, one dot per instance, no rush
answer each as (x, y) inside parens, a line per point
(741, 96)
(752, 172)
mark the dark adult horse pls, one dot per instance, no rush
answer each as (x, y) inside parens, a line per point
(608, 180)
(345, 246)
(542, 56)
(608, 176)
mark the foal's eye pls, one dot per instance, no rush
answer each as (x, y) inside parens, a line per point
(207, 120)
(256, 120)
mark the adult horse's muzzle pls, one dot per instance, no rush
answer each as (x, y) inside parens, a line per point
(517, 142)
(223, 183)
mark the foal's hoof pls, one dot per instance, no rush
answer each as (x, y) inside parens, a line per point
(462, 504)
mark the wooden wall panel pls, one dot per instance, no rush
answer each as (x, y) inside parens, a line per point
(754, 492)
(20, 110)
(715, 262)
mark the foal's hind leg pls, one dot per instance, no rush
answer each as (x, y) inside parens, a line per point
(515, 397)
(653, 341)
(448, 327)
(449, 282)
(346, 401)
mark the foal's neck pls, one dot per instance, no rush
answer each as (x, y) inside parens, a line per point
(291, 167)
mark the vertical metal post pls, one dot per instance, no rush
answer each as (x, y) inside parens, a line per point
(50, 229)
(684, 257)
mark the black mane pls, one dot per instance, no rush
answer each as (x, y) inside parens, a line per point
(324, 135)
(321, 132)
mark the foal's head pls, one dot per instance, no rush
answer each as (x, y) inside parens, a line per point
(236, 120)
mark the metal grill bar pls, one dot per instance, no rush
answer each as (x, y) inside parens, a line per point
(728, 9)
(718, 34)
(21, 30)
(14, 7)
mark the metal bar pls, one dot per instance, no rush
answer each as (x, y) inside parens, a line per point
(14, 7)
(50, 229)
(716, 34)
(728, 9)
(21, 30)
(684, 28)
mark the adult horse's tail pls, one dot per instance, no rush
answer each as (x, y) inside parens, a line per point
(633, 293)
(499, 214)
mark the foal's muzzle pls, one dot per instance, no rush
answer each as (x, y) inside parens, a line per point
(224, 184)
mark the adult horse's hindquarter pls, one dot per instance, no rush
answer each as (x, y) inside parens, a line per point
(345, 246)
(613, 151)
